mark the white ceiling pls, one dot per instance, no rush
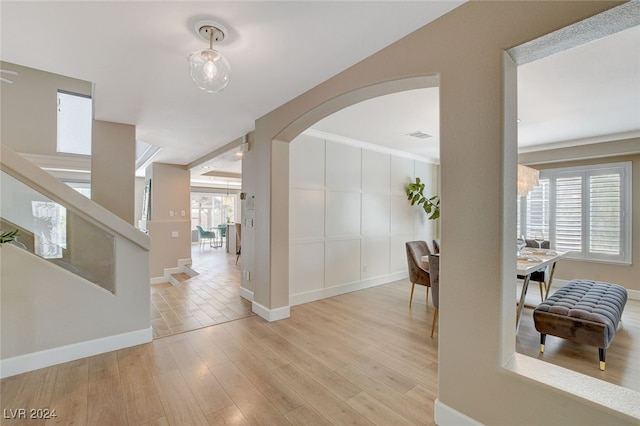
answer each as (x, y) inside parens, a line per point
(136, 54)
(587, 94)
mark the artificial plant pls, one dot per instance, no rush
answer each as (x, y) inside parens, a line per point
(8, 236)
(415, 194)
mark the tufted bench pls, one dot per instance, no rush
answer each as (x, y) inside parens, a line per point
(582, 311)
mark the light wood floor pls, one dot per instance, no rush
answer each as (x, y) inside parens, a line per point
(361, 358)
(212, 297)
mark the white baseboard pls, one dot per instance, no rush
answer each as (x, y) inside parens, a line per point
(35, 360)
(184, 266)
(246, 294)
(158, 280)
(189, 271)
(445, 415)
(323, 293)
(633, 294)
(271, 315)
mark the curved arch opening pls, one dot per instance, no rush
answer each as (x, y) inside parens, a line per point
(353, 97)
(349, 216)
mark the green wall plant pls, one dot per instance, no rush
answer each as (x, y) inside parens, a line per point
(8, 236)
(415, 194)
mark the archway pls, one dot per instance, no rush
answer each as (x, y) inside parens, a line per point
(272, 301)
(349, 216)
(478, 170)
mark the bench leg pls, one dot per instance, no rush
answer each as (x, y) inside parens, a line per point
(543, 337)
(601, 354)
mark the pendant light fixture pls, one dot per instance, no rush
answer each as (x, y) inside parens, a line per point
(528, 179)
(209, 69)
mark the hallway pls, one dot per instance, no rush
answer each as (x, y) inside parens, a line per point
(212, 297)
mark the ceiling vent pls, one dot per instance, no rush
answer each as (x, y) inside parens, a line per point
(418, 134)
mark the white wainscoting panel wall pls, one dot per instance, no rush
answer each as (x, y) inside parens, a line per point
(349, 215)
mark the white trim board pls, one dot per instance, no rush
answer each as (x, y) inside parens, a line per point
(444, 415)
(270, 315)
(246, 294)
(184, 266)
(367, 145)
(323, 293)
(48, 357)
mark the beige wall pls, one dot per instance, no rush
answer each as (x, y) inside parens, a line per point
(625, 275)
(113, 157)
(47, 308)
(480, 376)
(29, 126)
(169, 200)
(29, 115)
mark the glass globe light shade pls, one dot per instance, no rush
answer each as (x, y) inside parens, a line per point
(209, 70)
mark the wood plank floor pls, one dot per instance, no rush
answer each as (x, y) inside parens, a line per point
(358, 358)
(361, 358)
(212, 297)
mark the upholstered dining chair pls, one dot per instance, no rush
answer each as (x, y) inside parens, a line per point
(434, 276)
(206, 235)
(418, 272)
(436, 245)
(222, 233)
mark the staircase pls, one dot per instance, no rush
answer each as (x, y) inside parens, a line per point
(76, 282)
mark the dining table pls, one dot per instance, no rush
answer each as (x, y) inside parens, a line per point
(530, 260)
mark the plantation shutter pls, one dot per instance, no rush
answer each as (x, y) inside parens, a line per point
(568, 229)
(585, 210)
(605, 204)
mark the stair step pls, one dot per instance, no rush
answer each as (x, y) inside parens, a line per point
(180, 276)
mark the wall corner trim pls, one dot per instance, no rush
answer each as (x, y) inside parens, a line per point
(246, 294)
(48, 357)
(445, 415)
(271, 315)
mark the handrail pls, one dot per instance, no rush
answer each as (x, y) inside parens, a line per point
(17, 166)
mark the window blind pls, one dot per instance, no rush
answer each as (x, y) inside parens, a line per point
(585, 210)
(605, 214)
(568, 229)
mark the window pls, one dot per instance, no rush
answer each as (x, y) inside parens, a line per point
(49, 229)
(82, 187)
(75, 117)
(585, 210)
(210, 210)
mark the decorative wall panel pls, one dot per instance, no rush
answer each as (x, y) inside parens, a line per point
(343, 166)
(342, 262)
